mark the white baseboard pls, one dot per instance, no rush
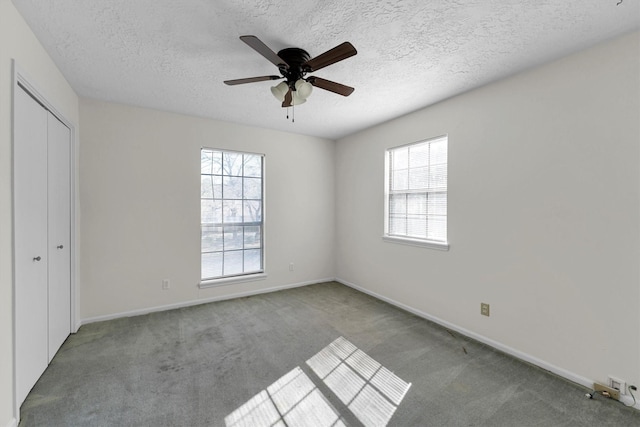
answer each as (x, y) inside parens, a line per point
(148, 310)
(12, 423)
(578, 379)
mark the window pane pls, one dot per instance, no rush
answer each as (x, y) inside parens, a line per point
(417, 226)
(232, 164)
(216, 158)
(233, 237)
(438, 176)
(206, 187)
(417, 204)
(398, 204)
(231, 187)
(419, 156)
(437, 228)
(419, 178)
(252, 165)
(438, 152)
(400, 179)
(252, 211)
(437, 204)
(398, 225)
(205, 161)
(232, 263)
(252, 237)
(253, 188)
(211, 187)
(217, 186)
(211, 239)
(211, 211)
(400, 158)
(252, 260)
(232, 211)
(211, 265)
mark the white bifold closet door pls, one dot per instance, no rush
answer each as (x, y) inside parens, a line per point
(30, 240)
(59, 233)
(42, 230)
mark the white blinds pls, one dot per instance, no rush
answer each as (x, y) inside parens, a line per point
(417, 192)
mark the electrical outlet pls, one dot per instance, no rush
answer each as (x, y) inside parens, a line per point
(291, 266)
(607, 391)
(165, 284)
(618, 384)
(484, 309)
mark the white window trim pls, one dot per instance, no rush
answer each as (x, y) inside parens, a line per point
(214, 283)
(432, 244)
(386, 237)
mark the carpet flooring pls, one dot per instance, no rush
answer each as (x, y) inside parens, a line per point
(320, 355)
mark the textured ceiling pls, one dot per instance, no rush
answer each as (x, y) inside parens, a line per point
(173, 55)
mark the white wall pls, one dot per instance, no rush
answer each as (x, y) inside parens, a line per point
(140, 206)
(18, 42)
(543, 213)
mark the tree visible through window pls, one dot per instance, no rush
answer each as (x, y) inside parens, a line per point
(416, 191)
(231, 214)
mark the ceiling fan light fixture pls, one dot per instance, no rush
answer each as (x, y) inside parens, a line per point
(280, 90)
(303, 88)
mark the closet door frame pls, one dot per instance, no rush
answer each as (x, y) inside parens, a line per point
(22, 81)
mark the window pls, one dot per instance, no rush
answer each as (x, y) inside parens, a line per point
(416, 193)
(232, 228)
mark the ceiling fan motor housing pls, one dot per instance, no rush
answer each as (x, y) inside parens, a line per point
(293, 70)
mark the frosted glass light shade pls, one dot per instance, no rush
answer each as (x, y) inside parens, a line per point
(280, 90)
(303, 89)
(296, 99)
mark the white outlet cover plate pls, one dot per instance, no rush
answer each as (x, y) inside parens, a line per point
(618, 384)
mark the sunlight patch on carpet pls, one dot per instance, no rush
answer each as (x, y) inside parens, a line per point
(367, 388)
(370, 391)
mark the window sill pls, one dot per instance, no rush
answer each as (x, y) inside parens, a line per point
(212, 283)
(416, 242)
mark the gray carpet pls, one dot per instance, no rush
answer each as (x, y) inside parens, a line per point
(274, 357)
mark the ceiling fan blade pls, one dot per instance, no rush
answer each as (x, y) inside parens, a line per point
(338, 53)
(287, 99)
(251, 80)
(338, 88)
(264, 50)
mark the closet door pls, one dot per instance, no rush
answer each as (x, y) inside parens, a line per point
(30, 241)
(59, 233)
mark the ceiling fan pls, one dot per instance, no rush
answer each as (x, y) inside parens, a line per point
(294, 63)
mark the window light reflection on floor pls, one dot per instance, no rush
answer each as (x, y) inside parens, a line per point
(368, 389)
(293, 400)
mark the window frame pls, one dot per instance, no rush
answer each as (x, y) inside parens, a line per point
(239, 277)
(411, 240)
